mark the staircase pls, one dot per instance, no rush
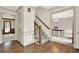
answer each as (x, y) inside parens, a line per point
(40, 30)
(44, 37)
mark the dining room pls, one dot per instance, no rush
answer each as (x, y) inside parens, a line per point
(62, 27)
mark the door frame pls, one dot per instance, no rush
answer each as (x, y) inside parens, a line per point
(65, 9)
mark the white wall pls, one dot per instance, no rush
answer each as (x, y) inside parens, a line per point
(19, 25)
(60, 8)
(26, 25)
(4, 13)
(29, 18)
(0, 30)
(67, 13)
(76, 28)
(44, 15)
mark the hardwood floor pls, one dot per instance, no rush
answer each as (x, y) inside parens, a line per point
(49, 47)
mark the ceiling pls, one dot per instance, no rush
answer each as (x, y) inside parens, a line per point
(48, 7)
(13, 8)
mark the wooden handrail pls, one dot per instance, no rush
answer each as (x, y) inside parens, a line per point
(39, 27)
(36, 24)
(42, 22)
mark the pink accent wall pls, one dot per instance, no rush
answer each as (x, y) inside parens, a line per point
(64, 23)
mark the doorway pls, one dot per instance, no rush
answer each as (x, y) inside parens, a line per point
(63, 27)
(8, 30)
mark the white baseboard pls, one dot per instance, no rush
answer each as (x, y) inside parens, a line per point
(28, 43)
(1, 42)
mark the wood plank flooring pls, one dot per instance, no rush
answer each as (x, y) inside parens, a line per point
(49, 47)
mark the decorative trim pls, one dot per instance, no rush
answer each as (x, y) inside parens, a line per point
(19, 8)
(19, 42)
(28, 32)
(8, 19)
